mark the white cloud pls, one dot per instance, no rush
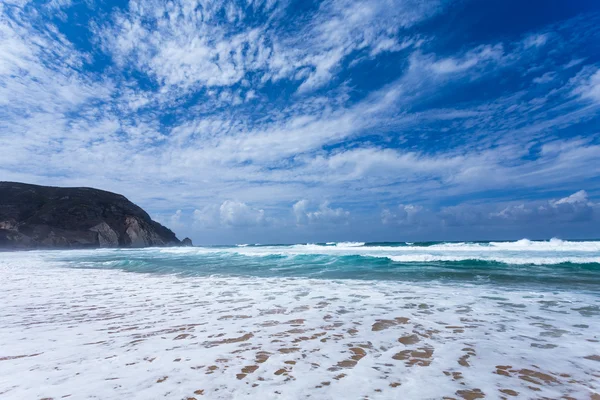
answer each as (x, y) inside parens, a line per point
(39, 95)
(187, 45)
(342, 27)
(227, 137)
(573, 63)
(571, 209)
(300, 211)
(206, 216)
(406, 214)
(535, 40)
(238, 214)
(575, 207)
(324, 214)
(229, 213)
(174, 221)
(545, 78)
(471, 59)
(590, 88)
(580, 197)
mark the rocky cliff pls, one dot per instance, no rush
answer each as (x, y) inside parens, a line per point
(33, 216)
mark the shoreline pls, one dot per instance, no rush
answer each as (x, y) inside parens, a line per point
(118, 334)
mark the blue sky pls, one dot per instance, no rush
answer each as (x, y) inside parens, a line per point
(264, 121)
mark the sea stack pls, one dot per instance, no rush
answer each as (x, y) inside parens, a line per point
(33, 216)
(187, 242)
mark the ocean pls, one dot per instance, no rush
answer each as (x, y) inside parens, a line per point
(321, 321)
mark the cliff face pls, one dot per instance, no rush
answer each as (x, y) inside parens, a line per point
(34, 216)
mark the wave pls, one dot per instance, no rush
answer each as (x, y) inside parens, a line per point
(412, 254)
(519, 245)
(425, 258)
(350, 244)
(397, 248)
(581, 269)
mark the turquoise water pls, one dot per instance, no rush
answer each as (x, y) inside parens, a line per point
(552, 264)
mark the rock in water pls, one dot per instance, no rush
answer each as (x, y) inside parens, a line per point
(187, 242)
(33, 216)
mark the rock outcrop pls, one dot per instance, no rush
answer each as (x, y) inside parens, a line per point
(33, 216)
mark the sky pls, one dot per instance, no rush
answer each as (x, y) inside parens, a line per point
(265, 121)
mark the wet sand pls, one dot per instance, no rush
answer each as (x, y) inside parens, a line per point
(84, 333)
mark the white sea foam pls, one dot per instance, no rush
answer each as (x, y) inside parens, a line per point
(507, 260)
(553, 245)
(350, 244)
(521, 252)
(94, 333)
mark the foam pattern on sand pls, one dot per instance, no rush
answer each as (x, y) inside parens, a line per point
(108, 334)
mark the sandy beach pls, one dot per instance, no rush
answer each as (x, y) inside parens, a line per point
(94, 333)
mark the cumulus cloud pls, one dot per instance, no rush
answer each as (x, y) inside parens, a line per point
(175, 219)
(324, 214)
(207, 216)
(238, 214)
(571, 209)
(406, 214)
(580, 197)
(230, 213)
(300, 211)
